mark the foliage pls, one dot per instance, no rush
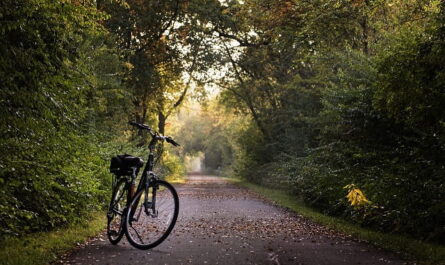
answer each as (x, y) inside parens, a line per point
(357, 102)
(52, 165)
(47, 247)
(425, 253)
(315, 95)
(212, 131)
(70, 82)
(160, 47)
(172, 168)
(355, 196)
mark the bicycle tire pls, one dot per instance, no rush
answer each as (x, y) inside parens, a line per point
(152, 228)
(116, 212)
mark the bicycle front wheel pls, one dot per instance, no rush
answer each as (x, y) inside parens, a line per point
(152, 215)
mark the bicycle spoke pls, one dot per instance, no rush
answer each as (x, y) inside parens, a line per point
(140, 238)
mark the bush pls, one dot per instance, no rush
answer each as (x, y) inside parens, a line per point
(398, 166)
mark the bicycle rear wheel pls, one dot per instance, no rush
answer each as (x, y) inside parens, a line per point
(152, 216)
(116, 212)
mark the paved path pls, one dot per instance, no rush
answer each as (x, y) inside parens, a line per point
(220, 223)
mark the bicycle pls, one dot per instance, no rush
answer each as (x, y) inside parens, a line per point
(147, 214)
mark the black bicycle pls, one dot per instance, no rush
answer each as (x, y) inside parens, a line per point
(147, 214)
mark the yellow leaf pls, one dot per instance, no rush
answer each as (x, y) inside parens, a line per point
(355, 196)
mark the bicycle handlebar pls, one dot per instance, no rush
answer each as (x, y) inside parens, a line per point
(171, 141)
(155, 135)
(140, 126)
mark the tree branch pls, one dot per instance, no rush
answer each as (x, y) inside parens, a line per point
(184, 93)
(243, 43)
(247, 99)
(162, 31)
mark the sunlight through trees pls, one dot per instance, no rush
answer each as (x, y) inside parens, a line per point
(304, 96)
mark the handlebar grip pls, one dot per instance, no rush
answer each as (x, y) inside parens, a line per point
(171, 141)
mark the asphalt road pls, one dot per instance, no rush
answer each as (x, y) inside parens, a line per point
(220, 223)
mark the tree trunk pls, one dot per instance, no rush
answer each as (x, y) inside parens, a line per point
(161, 122)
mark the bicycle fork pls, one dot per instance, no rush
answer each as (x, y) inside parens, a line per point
(149, 206)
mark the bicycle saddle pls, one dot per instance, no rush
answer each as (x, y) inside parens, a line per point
(123, 164)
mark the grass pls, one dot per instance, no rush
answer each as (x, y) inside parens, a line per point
(46, 247)
(409, 248)
(175, 180)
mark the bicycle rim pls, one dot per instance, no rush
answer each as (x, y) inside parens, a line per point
(116, 213)
(146, 228)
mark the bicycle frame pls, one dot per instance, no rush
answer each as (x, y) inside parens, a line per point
(148, 186)
(147, 177)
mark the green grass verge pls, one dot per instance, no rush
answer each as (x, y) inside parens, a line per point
(46, 247)
(410, 248)
(175, 179)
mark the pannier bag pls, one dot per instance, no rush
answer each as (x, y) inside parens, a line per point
(122, 165)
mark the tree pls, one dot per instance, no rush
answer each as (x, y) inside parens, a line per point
(159, 48)
(50, 172)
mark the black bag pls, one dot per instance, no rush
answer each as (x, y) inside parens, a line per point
(122, 165)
